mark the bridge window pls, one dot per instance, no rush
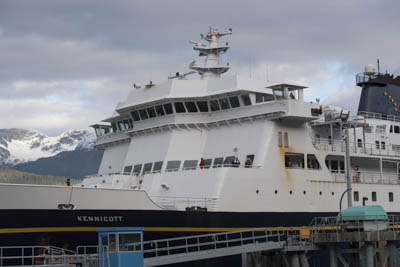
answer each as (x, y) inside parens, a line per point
(214, 105)
(249, 161)
(123, 125)
(173, 165)
(341, 165)
(159, 110)
(234, 100)
(127, 169)
(114, 127)
(127, 124)
(136, 169)
(264, 97)
(191, 107)
(229, 160)
(203, 106)
(396, 129)
(356, 197)
(189, 164)
(207, 163)
(391, 197)
(369, 129)
(334, 166)
(218, 162)
(246, 100)
(130, 242)
(294, 160)
(382, 129)
(147, 167)
(135, 115)
(359, 142)
(312, 162)
(143, 114)
(377, 144)
(113, 242)
(224, 103)
(168, 108)
(157, 166)
(151, 111)
(374, 196)
(179, 107)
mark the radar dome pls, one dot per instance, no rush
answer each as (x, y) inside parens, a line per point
(369, 69)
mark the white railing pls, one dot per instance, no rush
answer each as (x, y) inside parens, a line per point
(212, 242)
(356, 148)
(338, 224)
(49, 255)
(185, 202)
(368, 177)
(111, 137)
(379, 116)
(33, 255)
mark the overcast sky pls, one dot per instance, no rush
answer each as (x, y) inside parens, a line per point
(66, 64)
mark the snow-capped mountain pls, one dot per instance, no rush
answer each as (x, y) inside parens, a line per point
(20, 145)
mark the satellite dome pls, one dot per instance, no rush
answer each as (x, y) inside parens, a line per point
(369, 69)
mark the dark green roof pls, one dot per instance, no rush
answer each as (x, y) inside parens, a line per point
(364, 213)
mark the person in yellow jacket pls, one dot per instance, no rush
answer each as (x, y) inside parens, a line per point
(68, 182)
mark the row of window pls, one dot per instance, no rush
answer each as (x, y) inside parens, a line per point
(356, 196)
(174, 165)
(190, 107)
(296, 161)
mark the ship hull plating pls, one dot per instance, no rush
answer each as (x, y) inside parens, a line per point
(69, 228)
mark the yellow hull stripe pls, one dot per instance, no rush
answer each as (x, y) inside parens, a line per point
(163, 229)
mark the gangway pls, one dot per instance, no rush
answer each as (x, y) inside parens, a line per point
(118, 244)
(191, 248)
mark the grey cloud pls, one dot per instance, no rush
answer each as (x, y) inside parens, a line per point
(88, 53)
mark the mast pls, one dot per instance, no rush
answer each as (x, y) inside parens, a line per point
(211, 68)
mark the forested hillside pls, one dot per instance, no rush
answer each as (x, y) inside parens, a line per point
(19, 177)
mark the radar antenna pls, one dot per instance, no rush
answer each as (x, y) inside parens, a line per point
(211, 67)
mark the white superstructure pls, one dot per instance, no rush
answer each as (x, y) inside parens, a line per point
(291, 152)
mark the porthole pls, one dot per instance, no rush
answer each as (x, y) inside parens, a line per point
(257, 191)
(333, 193)
(320, 193)
(304, 192)
(290, 192)
(276, 192)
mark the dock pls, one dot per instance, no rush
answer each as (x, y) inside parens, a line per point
(346, 243)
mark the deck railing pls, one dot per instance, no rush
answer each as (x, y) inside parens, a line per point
(339, 223)
(377, 149)
(379, 116)
(183, 202)
(367, 177)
